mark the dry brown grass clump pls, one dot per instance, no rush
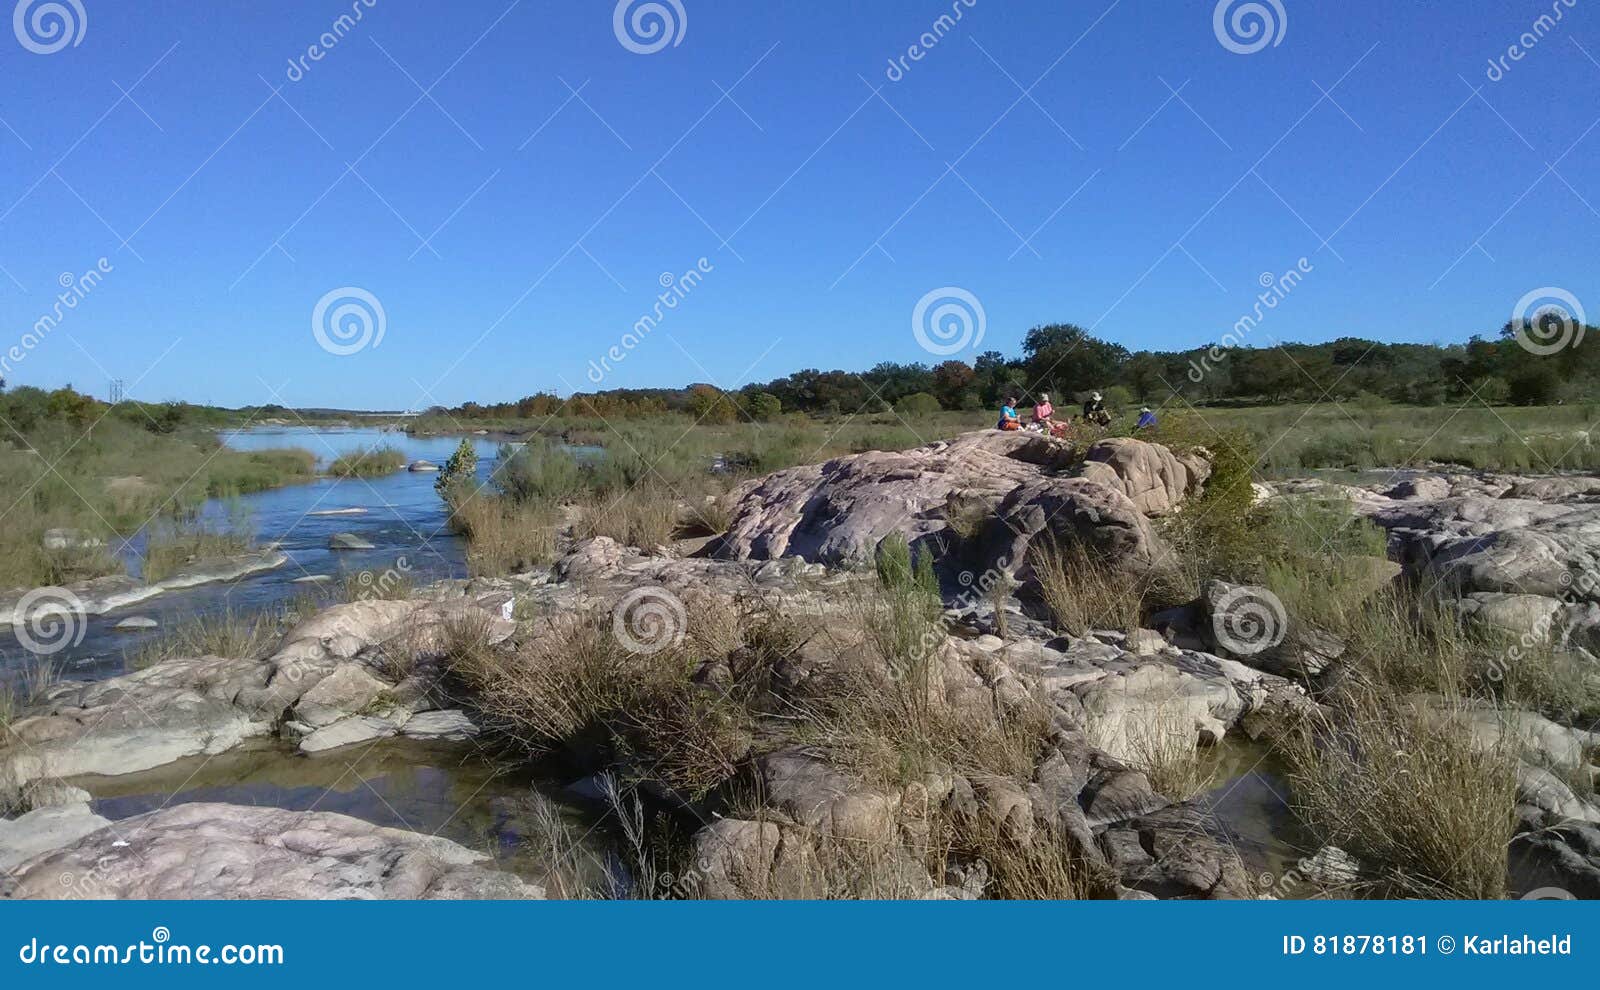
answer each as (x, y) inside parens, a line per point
(967, 517)
(230, 634)
(504, 536)
(28, 686)
(1401, 785)
(1085, 593)
(1165, 748)
(173, 544)
(644, 517)
(571, 677)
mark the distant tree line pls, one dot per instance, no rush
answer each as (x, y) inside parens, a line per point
(1524, 364)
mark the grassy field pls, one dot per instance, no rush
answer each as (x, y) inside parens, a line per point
(1290, 438)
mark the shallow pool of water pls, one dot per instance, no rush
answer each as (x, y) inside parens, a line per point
(443, 790)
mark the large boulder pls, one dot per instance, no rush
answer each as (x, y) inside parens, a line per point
(842, 509)
(225, 851)
(1154, 478)
(1061, 511)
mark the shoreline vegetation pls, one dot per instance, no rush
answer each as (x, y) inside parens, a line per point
(370, 463)
(84, 477)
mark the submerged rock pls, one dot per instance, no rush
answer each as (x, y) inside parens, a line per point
(348, 541)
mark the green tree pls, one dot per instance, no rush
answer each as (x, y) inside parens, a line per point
(764, 407)
(917, 404)
(1066, 354)
(459, 471)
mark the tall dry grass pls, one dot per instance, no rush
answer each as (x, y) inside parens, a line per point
(1402, 785)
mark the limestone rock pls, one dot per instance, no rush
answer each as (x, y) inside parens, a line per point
(222, 851)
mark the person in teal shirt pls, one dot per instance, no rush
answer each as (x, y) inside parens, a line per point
(1009, 420)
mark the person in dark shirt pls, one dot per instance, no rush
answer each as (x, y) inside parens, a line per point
(1094, 410)
(1147, 419)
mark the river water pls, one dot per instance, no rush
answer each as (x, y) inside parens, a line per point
(450, 790)
(402, 518)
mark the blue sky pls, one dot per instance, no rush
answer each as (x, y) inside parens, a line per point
(824, 211)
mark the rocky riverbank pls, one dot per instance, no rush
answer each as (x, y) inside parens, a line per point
(99, 596)
(805, 723)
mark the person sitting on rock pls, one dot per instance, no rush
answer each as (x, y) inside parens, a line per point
(1094, 410)
(1147, 419)
(1009, 420)
(1042, 411)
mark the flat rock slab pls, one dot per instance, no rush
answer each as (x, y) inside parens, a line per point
(43, 831)
(224, 851)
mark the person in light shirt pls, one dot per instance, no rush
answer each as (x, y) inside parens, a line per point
(1043, 410)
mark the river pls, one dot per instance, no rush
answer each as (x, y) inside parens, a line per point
(401, 517)
(447, 789)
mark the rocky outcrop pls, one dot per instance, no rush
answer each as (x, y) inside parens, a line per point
(1064, 510)
(1522, 555)
(1155, 479)
(842, 509)
(207, 705)
(221, 851)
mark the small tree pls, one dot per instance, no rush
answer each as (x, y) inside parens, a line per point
(765, 406)
(917, 404)
(459, 470)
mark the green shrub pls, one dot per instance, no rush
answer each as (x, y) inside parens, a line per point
(917, 404)
(539, 471)
(459, 473)
(367, 463)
